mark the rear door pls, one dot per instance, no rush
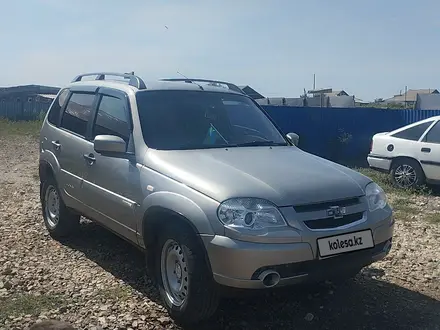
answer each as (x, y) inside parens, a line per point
(429, 152)
(71, 142)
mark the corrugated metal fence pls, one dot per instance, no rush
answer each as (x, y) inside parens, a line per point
(339, 134)
(26, 109)
(342, 134)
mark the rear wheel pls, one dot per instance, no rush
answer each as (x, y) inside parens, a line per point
(407, 173)
(183, 276)
(58, 219)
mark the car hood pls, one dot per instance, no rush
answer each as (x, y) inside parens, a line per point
(283, 175)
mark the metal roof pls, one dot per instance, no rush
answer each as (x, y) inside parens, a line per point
(411, 95)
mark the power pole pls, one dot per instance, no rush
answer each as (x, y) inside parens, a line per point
(406, 89)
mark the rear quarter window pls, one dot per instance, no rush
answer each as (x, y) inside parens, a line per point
(413, 133)
(55, 111)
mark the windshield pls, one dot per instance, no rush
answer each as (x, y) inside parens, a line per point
(173, 119)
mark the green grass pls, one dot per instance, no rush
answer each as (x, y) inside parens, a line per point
(24, 304)
(117, 293)
(27, 128)
(383, 180)
(404, 206)
(433, 218)
(403, 200)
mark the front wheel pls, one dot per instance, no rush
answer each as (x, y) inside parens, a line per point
(407, 173)
(184, 279)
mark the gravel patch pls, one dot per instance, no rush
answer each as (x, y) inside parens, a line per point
(96, 280)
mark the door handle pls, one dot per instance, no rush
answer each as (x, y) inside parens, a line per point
(428, 150)
(90, 158)
(56, 145)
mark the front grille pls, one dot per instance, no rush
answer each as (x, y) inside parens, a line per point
(329, 223)
(326, 205)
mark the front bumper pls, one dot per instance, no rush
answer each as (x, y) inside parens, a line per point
(238, 264)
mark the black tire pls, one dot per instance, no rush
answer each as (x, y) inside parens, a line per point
(415, 174)
(150, 262)
(67, 222)
(202, 297)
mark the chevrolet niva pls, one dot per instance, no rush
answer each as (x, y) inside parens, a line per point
(196, 174)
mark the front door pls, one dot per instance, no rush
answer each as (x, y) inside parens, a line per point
(429, 153)
(112, 184)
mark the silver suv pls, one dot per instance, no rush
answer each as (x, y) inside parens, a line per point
(197, 175)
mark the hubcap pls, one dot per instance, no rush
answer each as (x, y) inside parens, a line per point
(174, 272)
(405, 176)
(52, 207)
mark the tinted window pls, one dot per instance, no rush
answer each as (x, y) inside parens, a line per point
(433, 136)
(414, 133)
(55, 110)
(200, 119)
(112, 118)
(77, 113)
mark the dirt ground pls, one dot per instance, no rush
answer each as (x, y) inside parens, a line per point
(96, 280)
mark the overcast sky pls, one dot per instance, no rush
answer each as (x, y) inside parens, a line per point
(369, 48)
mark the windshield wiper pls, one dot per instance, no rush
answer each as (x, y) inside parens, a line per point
(258, 144)
(200, 146)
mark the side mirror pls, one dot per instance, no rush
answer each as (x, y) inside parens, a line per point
(110, 145)
(293, 138)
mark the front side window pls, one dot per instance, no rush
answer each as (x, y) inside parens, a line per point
(112, 118)
(413, 133)
(433, 136)
(78, 112)
(173, 119)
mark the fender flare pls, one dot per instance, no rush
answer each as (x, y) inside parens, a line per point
(179, 204)
(47, 158)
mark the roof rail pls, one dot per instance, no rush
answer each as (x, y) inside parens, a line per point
(134, 81)
(191, 80)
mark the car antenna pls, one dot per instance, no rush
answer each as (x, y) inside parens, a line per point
(200, 86)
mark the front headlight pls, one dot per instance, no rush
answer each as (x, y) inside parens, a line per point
(376, 197)
(249, 213)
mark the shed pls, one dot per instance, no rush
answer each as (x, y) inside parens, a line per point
(427, 102)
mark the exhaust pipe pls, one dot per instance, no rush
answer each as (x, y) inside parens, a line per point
(270, 278)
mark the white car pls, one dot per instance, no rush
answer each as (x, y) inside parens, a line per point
(411, 154)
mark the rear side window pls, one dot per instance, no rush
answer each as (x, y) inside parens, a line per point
(112, 118)
(414, 133)
(55, 110)
(78, 112)
(433, 136)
